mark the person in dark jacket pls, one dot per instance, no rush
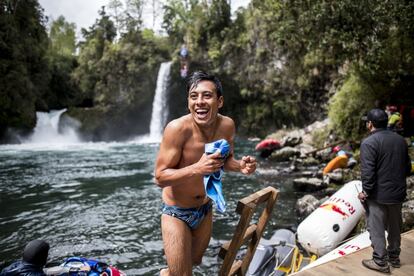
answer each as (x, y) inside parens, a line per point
(385, 164)
(34, 259)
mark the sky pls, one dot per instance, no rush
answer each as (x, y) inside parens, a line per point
(84, 12)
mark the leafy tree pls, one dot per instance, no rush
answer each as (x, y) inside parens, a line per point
(99, 37)
(116, 7)
(23, 67)
(62, 37)
(62, 61)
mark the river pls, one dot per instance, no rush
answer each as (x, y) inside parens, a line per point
(98, 200)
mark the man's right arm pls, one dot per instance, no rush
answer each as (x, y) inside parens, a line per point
(167, 172)
(171, 149)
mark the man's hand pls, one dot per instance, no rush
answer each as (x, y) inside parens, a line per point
(210, 163)
(362, 196)
(247, 165)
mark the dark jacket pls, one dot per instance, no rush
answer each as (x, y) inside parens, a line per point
(385, 164)
(22, 268)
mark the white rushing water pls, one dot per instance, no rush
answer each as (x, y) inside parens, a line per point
(49, 133)
(47, 130)
(159, 105)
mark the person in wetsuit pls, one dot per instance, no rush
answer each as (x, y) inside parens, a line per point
(34, 259)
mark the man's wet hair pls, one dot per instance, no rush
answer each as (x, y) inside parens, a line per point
(194, 79)
(378, 117)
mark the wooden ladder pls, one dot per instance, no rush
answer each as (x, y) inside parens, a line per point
(246, 232)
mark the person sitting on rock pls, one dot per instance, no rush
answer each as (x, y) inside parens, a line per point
(339, 151)
(34, 259)
(394, 118)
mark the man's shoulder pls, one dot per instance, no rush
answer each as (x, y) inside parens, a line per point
(226, 121)
(179, 125)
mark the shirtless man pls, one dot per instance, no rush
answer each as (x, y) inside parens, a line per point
(186, 220)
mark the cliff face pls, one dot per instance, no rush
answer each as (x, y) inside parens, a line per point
(123, 111)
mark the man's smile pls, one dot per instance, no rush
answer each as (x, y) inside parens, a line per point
(201, 113)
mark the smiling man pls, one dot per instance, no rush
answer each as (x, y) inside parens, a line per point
(186, 220)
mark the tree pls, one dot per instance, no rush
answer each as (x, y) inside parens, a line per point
(23, 67)
(62, 37)
(133, 18)
(116, 7)
(62, 62)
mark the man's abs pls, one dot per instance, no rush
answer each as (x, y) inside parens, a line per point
(186, 195)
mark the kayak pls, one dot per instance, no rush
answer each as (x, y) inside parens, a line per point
(341, 161)
(328, 225)
(357, 243)
(267, 146)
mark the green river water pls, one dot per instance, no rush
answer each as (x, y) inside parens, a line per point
(98, 200)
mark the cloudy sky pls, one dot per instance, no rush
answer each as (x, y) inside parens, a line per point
(84, 12)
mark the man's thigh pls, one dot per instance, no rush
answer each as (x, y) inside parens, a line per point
(201, 237)
(177, 240)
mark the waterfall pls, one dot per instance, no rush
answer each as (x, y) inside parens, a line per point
(47, 130)
(159, 105)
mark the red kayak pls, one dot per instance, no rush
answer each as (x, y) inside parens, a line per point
(267, 146)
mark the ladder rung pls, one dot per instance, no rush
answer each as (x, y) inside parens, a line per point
(251, 230)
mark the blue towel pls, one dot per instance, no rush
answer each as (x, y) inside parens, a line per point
(212, 182)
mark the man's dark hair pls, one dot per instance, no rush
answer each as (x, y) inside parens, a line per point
(198, 76)
(378, 117)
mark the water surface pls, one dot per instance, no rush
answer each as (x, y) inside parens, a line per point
(98, 200)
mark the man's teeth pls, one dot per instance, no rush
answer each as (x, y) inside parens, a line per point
(201, 112)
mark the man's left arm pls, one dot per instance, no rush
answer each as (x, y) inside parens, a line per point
(247, 165)
(368, 165)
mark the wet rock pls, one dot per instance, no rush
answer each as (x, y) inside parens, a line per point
(284, 154)
(308, 184)
(325, 155)
(328, 192)
(410, 182)
(317, 125)
(319, 173)
(293, 138)
(408, 215)
(305, 149)
(325, 198)
(306, 205)
(336, 176)
(410, 195)
(308, 174)
(310, 161)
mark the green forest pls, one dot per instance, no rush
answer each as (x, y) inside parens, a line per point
(282, 63)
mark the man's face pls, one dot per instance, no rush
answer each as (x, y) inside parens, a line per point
(203, 102)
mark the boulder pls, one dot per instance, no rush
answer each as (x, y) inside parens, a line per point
(325, 155)
(293, 138)
(310, 161)
(307, 174)
(305, 149)
(306, 205)
(408, 215)
(309, 184)
(410, 182)
(336, 176)
(284, 154)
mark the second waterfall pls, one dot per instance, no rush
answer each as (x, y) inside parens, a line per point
(159, 105)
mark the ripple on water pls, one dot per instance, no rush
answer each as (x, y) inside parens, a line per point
(99, 200)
